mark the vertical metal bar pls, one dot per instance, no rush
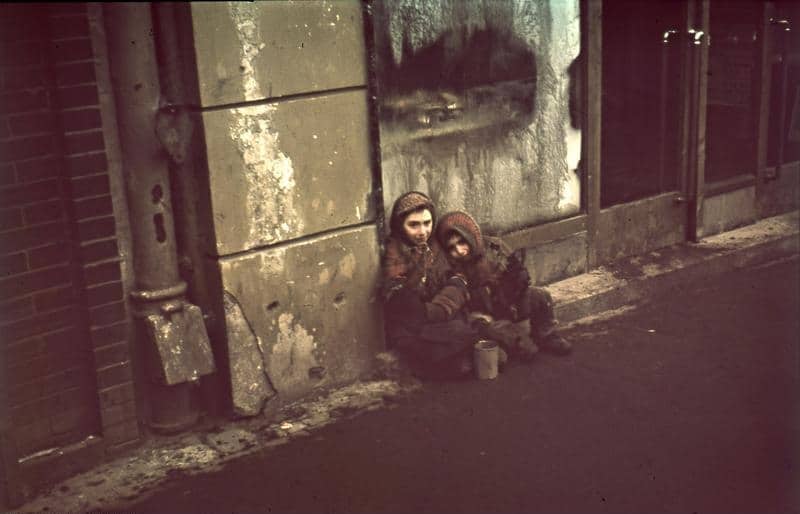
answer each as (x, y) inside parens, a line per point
(684, 124)
(765, 85)
(782, 43)
(702, 49)
(373, 98)
(698, 78)
(594, 95)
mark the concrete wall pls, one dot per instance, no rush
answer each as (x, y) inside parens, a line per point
(282, 87)
(727, 211)
(475, 106)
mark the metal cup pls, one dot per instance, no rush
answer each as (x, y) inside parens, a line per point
(485, 356)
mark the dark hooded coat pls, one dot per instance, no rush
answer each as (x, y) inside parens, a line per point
(423, 297)
(496, 276)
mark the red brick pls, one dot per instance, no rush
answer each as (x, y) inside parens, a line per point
(66, 421)
(100, 273)
(127, 431)
(75, 73)
(54, 299)
(99, 250)
(115, 414)
(24, 101)
(43, 212)
(112, 354)
(118, 394)
(10, 218)
(8, 175)
(30, 437)
(15, 309)
(92, 207)
(26, 349)
(69, 338)
(32, 237)
(26, 283)
(21, 21)
(111, 334)
(103, 294)
(72, 50)
(69, 26)
(73, 377)
(4, 130)
(89, 164)
(31, 412)
(97, 228)
(28, 371)
(84, 142)
(107, 314)
(23, 78)
(94, 185)
(49, 255)
(29, 193)
(27, 392)
(26, 147)
(20, 53)
(77, 96)
(81, 119)
(38, 169)
(39, 324)
(13, 264)
(63, 8)
(114, 375)
(32, 123)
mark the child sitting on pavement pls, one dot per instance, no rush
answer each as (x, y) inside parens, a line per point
(500, 289)
(423, 297)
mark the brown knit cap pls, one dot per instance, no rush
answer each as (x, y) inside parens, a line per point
(463, 224)
(409, 202)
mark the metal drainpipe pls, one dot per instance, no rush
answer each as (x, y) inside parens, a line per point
(170, 328)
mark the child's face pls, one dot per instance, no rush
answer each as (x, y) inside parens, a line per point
(457, 247)
(417, 226)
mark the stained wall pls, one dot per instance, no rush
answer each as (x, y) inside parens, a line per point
(475, 103)
(283, 94)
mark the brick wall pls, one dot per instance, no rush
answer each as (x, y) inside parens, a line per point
(63, 312)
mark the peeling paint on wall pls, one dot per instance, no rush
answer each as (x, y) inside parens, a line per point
(268, 171)
(292, 355)
(245, 17)
(269, 175)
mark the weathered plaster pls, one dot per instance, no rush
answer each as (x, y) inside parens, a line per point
(507, 177)
(250, 386)
(250, 51)
(312, 307)
(274, 177)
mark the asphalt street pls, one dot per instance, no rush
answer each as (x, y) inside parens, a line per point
(688, 403)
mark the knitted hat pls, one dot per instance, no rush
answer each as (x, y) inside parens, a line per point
(463, 224)
(407, 203)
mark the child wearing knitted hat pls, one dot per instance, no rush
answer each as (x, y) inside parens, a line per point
(500, 289)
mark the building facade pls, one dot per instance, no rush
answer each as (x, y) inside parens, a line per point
(194, 195)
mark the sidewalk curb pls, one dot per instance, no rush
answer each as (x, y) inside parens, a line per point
(635, 279)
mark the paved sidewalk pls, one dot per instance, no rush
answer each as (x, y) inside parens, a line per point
(687, 404)
(584, 303)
